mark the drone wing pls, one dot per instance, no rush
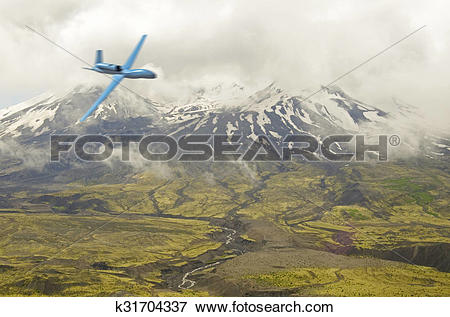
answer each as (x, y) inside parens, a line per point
(133, 55)
(116, 80)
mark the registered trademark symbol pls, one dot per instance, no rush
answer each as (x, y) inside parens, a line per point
(394, 140)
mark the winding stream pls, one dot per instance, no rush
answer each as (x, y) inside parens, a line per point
(187, 283)
(191, 283)
(230, 236)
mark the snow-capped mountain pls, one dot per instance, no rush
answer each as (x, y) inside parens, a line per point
(222, 109)
(274, 112)
(59, 112)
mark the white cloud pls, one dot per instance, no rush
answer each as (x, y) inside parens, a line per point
(300, 44)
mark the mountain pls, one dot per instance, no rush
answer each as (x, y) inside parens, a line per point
(222, 109)
(59, 113)
(274, 112)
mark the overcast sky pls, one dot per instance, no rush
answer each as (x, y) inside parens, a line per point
(298, 44)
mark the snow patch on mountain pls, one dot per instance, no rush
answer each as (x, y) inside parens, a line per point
(44, 97)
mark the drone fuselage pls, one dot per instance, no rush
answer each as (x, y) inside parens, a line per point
(114, 69)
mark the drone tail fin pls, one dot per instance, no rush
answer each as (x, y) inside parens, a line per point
(98, 56)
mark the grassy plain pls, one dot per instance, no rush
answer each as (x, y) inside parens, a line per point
(140, 236)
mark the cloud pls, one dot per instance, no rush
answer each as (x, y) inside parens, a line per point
(299, 44)
(28, 156)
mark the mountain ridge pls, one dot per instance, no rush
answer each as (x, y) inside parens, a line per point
(222, 109)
